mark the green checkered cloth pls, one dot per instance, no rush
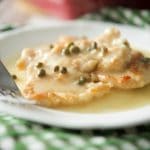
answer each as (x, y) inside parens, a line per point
(122, 15)
(18, 134)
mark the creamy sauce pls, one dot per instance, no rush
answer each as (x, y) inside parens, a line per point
(116, 100)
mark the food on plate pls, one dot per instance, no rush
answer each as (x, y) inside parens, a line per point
(76, 70)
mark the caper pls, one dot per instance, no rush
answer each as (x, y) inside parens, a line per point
(63, 70)
(82, 80)
(51, 46)
(39, 65)
(74, 49)
(41, 73)
(66, 51)
(70, 44)
(104, 50)
(126, 43)
(56, 68)
(14, 76)
(94, 45)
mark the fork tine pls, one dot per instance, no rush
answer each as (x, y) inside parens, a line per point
(10, 96)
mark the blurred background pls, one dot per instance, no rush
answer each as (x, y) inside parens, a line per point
(19, 11)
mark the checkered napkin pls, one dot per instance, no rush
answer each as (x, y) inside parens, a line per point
(122, 15)
(18, 134)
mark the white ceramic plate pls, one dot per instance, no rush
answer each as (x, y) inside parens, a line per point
(12, 42)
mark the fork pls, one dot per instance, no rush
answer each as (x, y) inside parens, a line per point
(9, 91)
